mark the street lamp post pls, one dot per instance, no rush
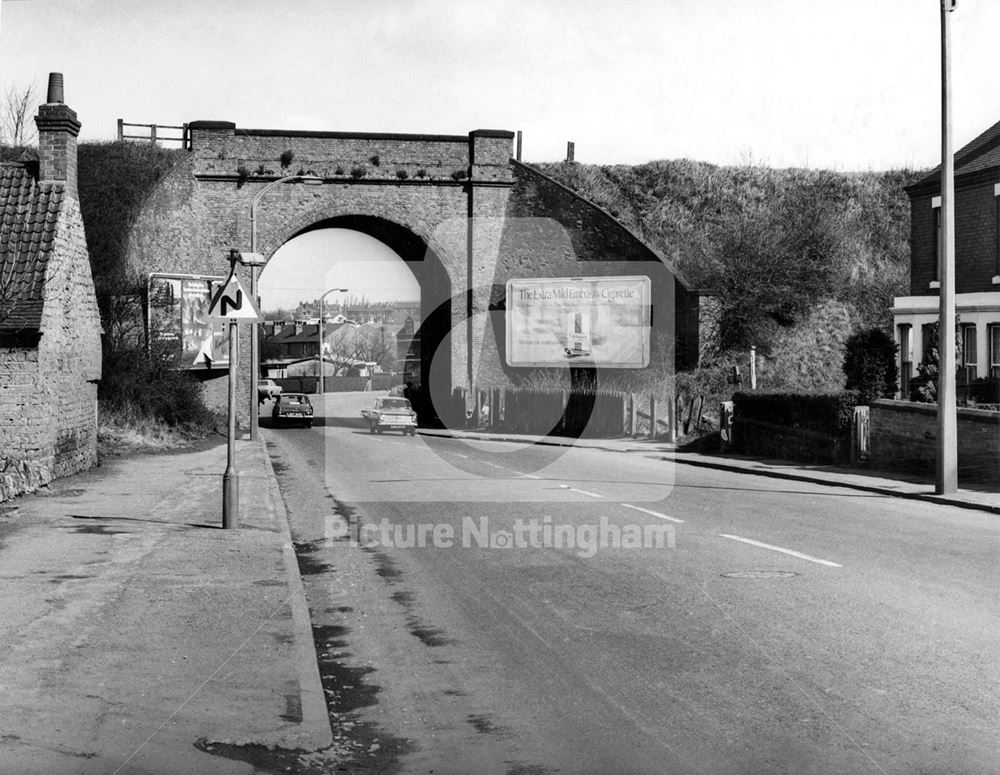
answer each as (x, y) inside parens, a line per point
(255, 262)
(947, 453)
(319, 337)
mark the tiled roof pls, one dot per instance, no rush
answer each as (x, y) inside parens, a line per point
(981, 153)
(28, 214)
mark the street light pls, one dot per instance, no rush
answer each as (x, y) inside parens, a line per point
(255, 261)
(319, 337)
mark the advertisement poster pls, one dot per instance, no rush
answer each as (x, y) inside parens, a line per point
(599, 321)
(178, 318)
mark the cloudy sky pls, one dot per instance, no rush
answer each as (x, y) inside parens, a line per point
(839, 84)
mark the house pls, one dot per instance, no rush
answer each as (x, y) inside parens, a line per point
(977, 263)
(343, 342)
(50, 329)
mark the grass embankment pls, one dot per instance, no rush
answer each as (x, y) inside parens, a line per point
(122, 431)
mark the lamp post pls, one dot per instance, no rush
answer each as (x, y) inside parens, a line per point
(254, 262)
(319, 337)
(947, 452)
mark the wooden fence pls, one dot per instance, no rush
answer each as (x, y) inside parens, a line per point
(588, 413)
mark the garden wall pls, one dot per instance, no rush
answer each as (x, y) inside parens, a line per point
(904, 437)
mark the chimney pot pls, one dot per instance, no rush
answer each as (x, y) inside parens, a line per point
(55, 93)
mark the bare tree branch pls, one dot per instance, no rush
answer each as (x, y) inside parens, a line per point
(16, 126)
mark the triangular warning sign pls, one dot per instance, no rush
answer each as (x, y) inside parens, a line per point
(233, 302)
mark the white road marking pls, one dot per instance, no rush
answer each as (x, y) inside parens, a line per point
(582, 492)
(783, 551)
(652, 513)
(531, 476)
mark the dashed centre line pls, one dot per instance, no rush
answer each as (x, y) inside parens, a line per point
(582, 492)
(790, 552)
(653, 513)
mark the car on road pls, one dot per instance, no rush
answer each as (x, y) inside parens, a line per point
(292, 408)
(392, 414)
(268, 388)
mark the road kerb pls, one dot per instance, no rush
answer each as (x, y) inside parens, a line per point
(314, 730)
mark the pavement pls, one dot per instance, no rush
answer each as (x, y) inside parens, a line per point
(140, 637)
(981, 496)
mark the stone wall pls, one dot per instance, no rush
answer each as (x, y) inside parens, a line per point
(48, 385)
(904, 436)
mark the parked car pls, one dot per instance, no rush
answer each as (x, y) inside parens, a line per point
(394, 414)
(292, 408)
(267, 388)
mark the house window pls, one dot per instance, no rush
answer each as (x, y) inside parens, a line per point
(994, 354)
(996, 231)
(936, 205)
(969, 360)
(926, 334)
(905, 360)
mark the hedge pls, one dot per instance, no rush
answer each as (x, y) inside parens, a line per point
(830, 413)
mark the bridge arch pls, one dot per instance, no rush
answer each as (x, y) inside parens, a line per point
(458, 209)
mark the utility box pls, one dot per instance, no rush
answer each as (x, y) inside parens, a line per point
(726, 412)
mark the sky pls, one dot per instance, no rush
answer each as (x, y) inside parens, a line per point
(834, 84)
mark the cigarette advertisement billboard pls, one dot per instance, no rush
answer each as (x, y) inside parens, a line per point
(579, 321)
(178, 319)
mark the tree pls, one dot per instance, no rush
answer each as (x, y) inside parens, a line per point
(870, 365)
(16, 113)
(929, 368)
(363, 343)
(772, 262)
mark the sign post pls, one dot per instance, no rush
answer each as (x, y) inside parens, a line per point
(233, 303)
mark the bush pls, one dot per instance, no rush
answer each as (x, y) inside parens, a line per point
(149, 385)
(830, 413)
(870, 365)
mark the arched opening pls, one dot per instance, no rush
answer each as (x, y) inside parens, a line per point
(397, 298)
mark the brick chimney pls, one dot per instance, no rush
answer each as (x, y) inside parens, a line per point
(57, 131)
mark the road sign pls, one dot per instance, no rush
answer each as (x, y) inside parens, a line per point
(234, 302)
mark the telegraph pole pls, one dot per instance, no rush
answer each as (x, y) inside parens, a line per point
(947, 453)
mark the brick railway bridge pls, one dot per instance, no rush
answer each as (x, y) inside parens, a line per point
(458, 209)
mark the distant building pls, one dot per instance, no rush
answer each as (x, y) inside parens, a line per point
(977, 263)
(50, 328)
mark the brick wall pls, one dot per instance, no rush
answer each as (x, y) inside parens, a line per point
(904, 437)
(975, 237)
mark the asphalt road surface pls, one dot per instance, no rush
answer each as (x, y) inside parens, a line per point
(501, 608)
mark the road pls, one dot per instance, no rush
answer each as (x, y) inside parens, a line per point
(756, 626)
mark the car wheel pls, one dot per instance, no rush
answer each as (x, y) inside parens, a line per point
(379, 431)
(371, 428)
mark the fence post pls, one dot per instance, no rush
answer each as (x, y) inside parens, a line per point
(633, 425)
(121, 129)
(152, 134)
(652, 416)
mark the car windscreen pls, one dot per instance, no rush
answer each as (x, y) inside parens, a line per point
(397, 403)
(296, 400)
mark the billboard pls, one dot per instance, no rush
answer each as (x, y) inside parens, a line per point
(579, 321)
(178, 319)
